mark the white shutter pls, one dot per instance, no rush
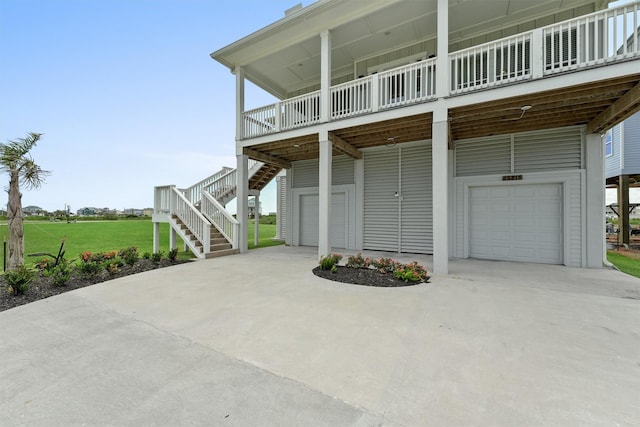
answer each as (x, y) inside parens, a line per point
(380, 205)
(416, 218)
(548, 150)
(483, 156)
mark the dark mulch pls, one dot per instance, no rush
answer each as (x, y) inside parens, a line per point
(362, 276)
(42, 287)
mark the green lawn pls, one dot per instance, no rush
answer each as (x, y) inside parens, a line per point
(45, 237)
(624, 263)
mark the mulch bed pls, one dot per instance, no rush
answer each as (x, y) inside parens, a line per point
(42, 287)
(364, 277)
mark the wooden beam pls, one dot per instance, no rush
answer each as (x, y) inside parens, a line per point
(344, 147)
(621, 109)
(450, 133)
(266, 158)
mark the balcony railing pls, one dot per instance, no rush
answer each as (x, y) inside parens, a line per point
(591, 40)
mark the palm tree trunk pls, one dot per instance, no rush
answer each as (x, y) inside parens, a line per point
(14, 215)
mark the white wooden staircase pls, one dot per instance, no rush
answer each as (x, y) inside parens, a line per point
(197, 214)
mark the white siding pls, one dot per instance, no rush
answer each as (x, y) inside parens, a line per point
(483, 156)
(305, 172)
(547, 150)
(417, 215)
(381, 170)
(632, 145)
(281, 207)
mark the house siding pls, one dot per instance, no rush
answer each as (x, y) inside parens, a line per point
(631, 145)
(612, 164)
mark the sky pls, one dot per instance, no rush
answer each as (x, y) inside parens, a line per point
(126, 95)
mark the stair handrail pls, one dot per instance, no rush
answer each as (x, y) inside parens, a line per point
(191, 218)
(194, 192)
(221, 219)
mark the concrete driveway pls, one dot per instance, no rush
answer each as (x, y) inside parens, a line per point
(258, 340)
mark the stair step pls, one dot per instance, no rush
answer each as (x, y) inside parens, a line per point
(220, 253)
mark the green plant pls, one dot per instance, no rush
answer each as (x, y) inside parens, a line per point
(330, 262)
(384, 265)
(89, 268)
(146, 255)
(157, 256)
(412, 272)
(18, 280)
(358, 261)
(173, 254)
(60, 274)
(129, 255)
(112, 265)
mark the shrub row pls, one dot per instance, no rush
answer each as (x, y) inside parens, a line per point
(412, 272)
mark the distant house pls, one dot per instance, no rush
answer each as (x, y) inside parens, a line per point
(132, 212)
(86, 211)
(252, 208)
(622, 167)
(33, 211)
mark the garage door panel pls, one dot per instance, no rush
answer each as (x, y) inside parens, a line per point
(309, 219)
(516, 222)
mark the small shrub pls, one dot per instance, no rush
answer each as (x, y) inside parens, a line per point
(45, 264)
(130, 255)
(412, 272)
(358, 261)
(157, 256)
(173, 255)
(384, 265)
(60, 274)
(330, 262)
(146, 255)
(18, 280)
(89, 268)
(112, 265)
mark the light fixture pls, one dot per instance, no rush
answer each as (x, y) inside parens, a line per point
(296, 145)
(391, 141)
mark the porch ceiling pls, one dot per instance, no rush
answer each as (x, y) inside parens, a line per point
(598, 105)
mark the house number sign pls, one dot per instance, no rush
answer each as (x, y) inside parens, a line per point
(512, 177)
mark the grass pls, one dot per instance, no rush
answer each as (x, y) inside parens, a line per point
(45, 237)
(626, 264)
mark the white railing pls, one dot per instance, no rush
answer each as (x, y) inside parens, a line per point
(600, 37)
(194, 193)
(226, 224)
(259, 121)
(192, 218)
(502, 61)
(351, 98)
(223, 186)
(162, 199)
(300, 111)
(587, 41)
(405, 85)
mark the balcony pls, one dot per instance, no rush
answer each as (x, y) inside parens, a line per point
(586, 42)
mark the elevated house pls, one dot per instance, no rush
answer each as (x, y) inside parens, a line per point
(622, 170)
(458, 128)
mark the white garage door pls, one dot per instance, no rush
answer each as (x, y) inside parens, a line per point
(516, 223)
(309, 204)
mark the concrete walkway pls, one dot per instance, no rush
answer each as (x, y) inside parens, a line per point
(258, 340)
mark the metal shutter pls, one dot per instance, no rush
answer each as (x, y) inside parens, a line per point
(547, 150)
(483, 156)
(381, 170)
(416, 208)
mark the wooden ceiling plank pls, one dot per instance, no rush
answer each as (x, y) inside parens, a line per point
(622, 108)
(344, 147)
(267, 158)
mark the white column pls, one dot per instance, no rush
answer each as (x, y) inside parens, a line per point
(440, 166)
(324, 214)
(156, 237)
(325, 76)
(239, 72)
(172, 238)
(256, 220)
(242, 202)
(442, 59)
(595, 194)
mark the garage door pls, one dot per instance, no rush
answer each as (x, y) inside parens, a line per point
(516, 223)
(309, 206)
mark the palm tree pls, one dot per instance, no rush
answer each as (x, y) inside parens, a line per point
(15, 160)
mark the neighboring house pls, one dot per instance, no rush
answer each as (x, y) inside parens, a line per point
(622, 167)
(453, 128)
(252, 207)
(33, 210)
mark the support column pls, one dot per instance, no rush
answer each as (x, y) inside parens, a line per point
(325, 76)
(239, 72)
(440, 171)
(623, 210)
(595, 193)
(256, 221)
(172, 238)
(324, 196)
(242, 202)
(156, 237)
(442, 58)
